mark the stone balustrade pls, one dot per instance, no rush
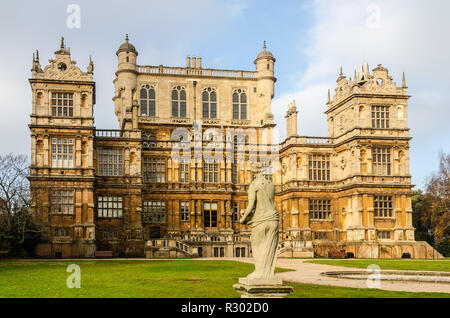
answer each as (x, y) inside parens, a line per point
(181, 71)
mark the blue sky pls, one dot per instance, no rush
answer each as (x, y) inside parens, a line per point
(310, 40)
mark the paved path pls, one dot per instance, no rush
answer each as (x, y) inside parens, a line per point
(308, 273)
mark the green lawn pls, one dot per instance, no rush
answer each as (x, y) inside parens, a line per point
(149, 279)
(400, 264)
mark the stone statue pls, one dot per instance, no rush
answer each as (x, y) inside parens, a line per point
(263, 217)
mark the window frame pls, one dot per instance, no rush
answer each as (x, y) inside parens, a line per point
(177, 103)
(158, 171)
(382, 161)
(147, 100)
(380, 115)
(208, 105)
(386, 209)
(154, 212)
(112, 210)
(184, 211)
(55, 154)
(320, 210)
(319, 166)
(384, 235)
(108, 168)
(184, 169)
(211, 174)
(239, 107)
(234, 212)
(211, 213)
(56, 107)
(58, 206)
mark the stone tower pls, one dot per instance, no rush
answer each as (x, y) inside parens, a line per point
(369, 114)
(126, 106)
(62, 143)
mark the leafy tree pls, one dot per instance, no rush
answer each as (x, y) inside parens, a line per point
(438, 190)
(420, 204)
(431, 216)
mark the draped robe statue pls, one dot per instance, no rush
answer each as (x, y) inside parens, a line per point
(262, 215)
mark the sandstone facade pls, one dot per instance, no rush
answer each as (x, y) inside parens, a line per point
(128, 191)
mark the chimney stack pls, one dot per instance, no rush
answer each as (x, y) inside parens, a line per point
(291, 120)
(188, 61)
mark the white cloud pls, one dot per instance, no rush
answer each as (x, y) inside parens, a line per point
(410, 38)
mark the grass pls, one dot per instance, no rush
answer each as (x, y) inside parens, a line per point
(321, 291)
(397, 264)
(150, 279)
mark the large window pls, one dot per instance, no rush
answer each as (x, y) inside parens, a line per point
(320, 209)
(184, 211)
(240, 252)
(234, 173)
(184, 172)
(381, 161)
(154, 212)
(154, 169)
(319, 167)
(267, 170)
(210, 172)
(62, 152)
(148, 101)
(239, 104)
(61, 232)
(62, 104)
(62, 201)
(235, 212)
(178, 101)
(109, 207)
(110, 235)
(209, 100)
(210, 214)
(382, 206)
(380, 117)
(109, 161)
(383, 235)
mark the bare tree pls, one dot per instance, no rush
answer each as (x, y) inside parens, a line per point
(16, 222)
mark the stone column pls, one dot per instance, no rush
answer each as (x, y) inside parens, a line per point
(192, 213)
(33, 150)
(77, 152)
(46, 162)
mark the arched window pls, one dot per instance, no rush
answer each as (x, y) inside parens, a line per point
(209, 99)
(178, 101)
(239, 104)
(148, 101)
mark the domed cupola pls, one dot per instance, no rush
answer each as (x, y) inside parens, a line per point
(127, 47)
(265, 54)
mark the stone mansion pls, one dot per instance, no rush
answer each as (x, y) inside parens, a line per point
(172, 179)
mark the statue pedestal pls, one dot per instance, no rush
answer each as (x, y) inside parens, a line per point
(262, 288)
